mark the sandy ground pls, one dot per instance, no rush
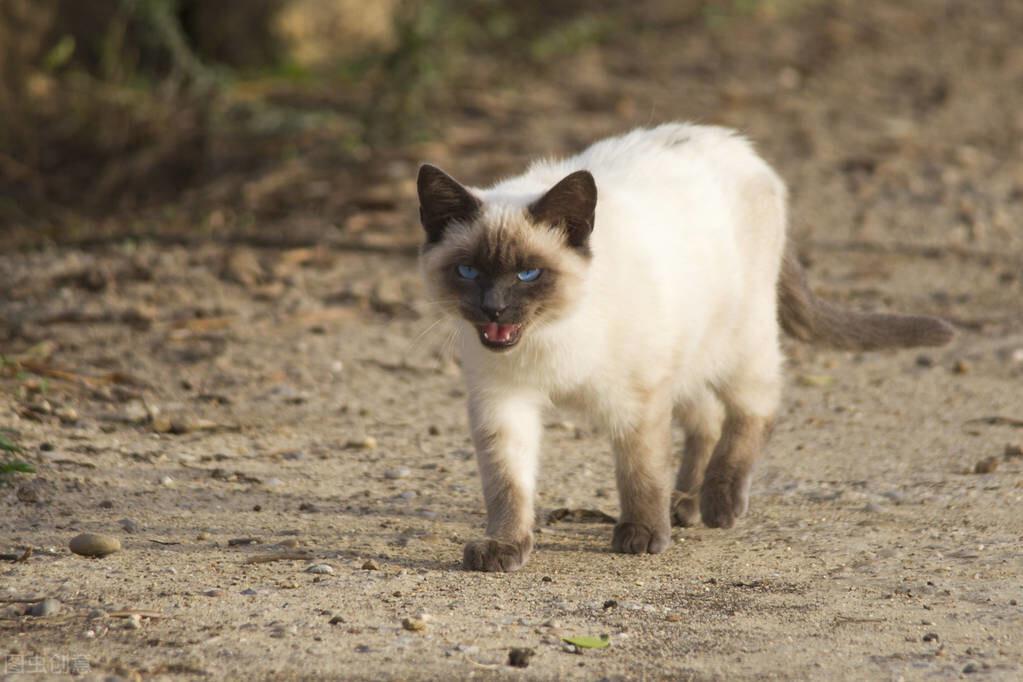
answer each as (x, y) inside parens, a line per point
(210, 405)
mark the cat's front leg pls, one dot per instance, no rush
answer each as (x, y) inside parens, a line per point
(506, 431)
(643, 469)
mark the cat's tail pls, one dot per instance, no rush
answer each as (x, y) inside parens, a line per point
(808, 318)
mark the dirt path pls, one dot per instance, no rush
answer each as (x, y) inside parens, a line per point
(183, 397)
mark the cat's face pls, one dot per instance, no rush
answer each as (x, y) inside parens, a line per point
(505, 270)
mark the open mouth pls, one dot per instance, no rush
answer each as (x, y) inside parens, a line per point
(499, 336)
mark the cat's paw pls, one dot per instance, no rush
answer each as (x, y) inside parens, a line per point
(495, 556)
(685, 509)
(724, 497)
(636, 538)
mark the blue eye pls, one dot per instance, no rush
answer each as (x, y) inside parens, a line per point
(468, 272)
(529, 275)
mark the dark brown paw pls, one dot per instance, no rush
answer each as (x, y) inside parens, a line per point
(685, 509)
(494, 556)
(635, 538)
(724, 498)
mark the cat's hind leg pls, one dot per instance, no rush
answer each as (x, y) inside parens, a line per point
(701, 419)
(642, 452)
(750, 398)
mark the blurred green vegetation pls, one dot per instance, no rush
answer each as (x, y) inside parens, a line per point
(112, 105)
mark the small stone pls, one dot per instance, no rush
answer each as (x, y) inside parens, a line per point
(322, 569)
(433, 430)
(610, 604)
(129, 526)
(336, 620)
(308, 507)
(519, 658)
(924, 361)
(281, 631)
(986, 466)
(1013, 451)
(134, 622)
(872, 508)
(94, 544)
(413, 624)
(971, 668)
(249, 592)
(370, 565)
(397, 472)
(961, 367)
(214, 593)
(47, 607)
(366, 443)
(570, 648)
(106, 504)
(931, 637)
(167, 482)
(67, 415)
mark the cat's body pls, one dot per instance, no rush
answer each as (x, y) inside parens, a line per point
(660, 298)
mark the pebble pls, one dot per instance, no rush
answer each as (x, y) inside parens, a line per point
(367, 443)
(610, 604)
(214, 593)
(961, 367)
(370, 565)
(129, 526)
(398, 472)
(986, 465)
(873, 508)
(47, 607)
(1012, 450)
(519, 658)
(924, 361)
(94, 544)
(970, 668)
(167, 482)
(67, 415)
(414, 624)
(134, 622)
(931, 637)
(281, 631)
(323, 569)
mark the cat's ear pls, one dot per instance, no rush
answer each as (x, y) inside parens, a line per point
(570, 205)
(442, 200)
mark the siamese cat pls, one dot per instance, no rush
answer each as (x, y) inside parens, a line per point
(644, 279)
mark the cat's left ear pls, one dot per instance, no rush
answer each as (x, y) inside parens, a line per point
(570, 205)
(442, 200)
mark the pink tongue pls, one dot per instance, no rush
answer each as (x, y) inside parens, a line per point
(499, 332)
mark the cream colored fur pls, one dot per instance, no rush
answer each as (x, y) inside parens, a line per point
(676, 311)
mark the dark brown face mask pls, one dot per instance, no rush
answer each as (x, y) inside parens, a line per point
(500, 284)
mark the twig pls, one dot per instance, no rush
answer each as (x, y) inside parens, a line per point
(282, 556)
(997, 420)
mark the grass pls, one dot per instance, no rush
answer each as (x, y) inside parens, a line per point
(8, 464)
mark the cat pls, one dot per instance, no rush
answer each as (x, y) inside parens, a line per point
(644, 279)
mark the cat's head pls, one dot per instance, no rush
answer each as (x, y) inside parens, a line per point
(506, 267)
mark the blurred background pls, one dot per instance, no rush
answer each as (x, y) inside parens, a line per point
(127, 118)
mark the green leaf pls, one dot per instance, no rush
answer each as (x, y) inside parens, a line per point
(7, 445)
(60, 54)
(16, 466)
(584, 642)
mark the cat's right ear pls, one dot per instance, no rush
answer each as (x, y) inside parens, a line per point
(442, 200)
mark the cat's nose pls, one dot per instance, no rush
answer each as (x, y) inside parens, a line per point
(492, 311)
(493, 303)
